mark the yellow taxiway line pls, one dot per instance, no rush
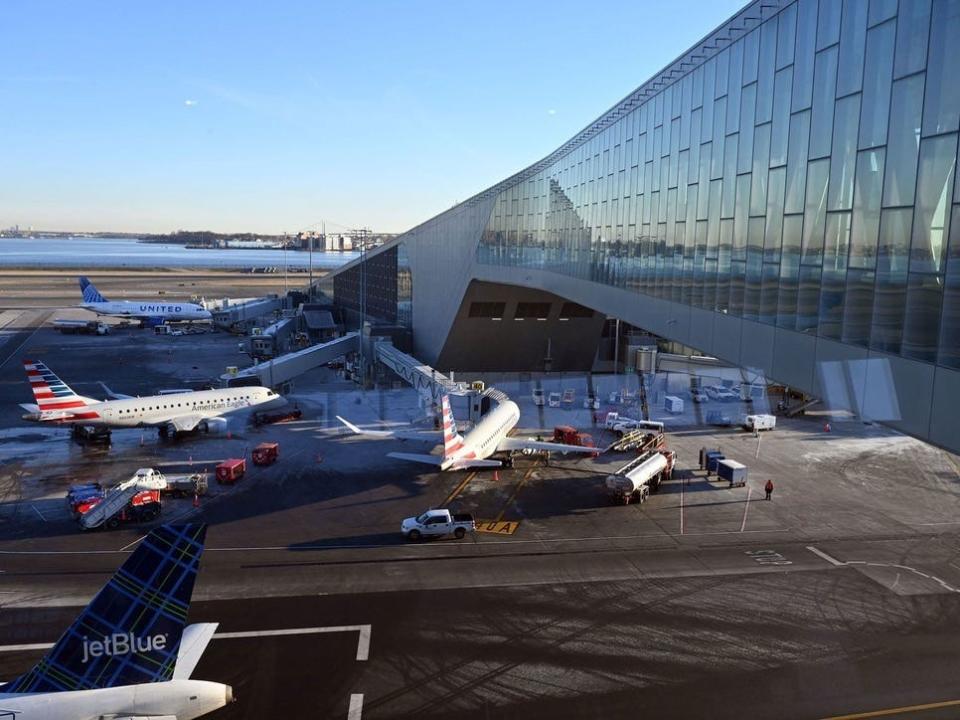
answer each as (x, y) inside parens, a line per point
(459, 489)
(896, 711)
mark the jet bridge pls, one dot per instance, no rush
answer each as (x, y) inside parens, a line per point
(281, 370)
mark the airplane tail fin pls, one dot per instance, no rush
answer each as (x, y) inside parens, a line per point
(131, 631)
(90, 292)
(50, 392)
(452, 440)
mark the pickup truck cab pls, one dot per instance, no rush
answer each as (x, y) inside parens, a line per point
(437, 523)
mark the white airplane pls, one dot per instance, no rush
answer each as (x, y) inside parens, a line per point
(171, 412)
(473, 450)
(128, 655)
(149, 311)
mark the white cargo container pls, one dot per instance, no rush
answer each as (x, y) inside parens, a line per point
(760, 422)
(673, 404)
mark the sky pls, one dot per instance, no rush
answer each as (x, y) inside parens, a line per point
(275, 117)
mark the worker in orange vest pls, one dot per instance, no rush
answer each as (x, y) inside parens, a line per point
(769, 488)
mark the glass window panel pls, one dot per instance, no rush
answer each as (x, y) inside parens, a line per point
(747, 100)
(931, 220)
(696, 95)
(751, 50)
(768, 48)
(828, 23)
(808, 299)
(733, 88)
(834, 279)
(729, 200)
(780, 131)
(774, 226)
(761, 163)
(706, 124)
(921, 321)
(866, 209)
(786, 36)
(789, 269)
(716, 162)
(723, 73)
(740, 217)
(769, 293)
(903, 141)
(950, 319)
(893, 244)
(824, 87)
(853, 35)
(913, 27)
(738, 277)
(754, 269)
(941, 106)
(797, 162)
(804, 54)
(815, 212)
(858, 307)
(875, 109)
(881, 10)
(844, 153)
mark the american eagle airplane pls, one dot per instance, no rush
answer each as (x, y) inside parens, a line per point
(128, 656)
(473, 450)
(146, 310)
(176, 412)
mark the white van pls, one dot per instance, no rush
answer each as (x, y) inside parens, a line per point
(760, 422)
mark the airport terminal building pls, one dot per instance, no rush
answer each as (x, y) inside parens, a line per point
(781, 196)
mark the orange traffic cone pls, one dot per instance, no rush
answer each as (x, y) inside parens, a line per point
(196, 500)
(496, 476)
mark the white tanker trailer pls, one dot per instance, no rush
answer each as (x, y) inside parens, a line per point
(636, 479)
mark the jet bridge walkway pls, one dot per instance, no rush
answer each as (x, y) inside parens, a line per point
(280, 370)
(422, 378)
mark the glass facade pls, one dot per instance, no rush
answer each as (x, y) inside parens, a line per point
(797, 169)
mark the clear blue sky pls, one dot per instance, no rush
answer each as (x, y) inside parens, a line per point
(270, 117)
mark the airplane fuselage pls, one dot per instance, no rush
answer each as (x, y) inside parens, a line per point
(160, 410)
(149, 309)
(484, 439)
(182, 699)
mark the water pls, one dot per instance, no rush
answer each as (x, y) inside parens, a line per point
(83, 252)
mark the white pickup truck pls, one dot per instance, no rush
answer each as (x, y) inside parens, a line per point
(437, 523)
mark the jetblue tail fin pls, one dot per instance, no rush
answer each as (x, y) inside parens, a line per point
(90, 292)
(130, 632)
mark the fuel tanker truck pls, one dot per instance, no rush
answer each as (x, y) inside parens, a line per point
(641, 476)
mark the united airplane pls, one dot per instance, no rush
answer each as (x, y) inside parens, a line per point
(148, 311)
(473, 450)
(177, 412)
(129, 655)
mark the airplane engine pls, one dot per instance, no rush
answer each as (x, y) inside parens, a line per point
(217, 426)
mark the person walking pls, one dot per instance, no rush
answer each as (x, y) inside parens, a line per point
(769, 488)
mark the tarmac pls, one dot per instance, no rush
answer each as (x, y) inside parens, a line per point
(839, 597)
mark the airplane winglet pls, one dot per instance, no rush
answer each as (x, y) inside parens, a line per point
(112, 395)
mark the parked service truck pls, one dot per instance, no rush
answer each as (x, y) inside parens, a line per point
(622, 424)
(643, 475)
(82, 327)
(759, 422)
(732, 471)
(437, 523)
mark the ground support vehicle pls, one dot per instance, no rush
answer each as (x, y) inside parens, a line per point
(673, 404)
(266, 453)
(229, 471)
(759, 422)
(591, 402)
(641, 476)
(437, 523)
(265, 418)
(567, 435)
(553, 399)
(118, 506)
(622, 424)
(639, 440)
(538, 397)
(732, 471)
(569, 396)
(718, 417)
(82, 327)
(187, 485)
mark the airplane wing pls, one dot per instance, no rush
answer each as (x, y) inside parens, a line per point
(114, 396)
(192, 644)
(513, 443)
(433, 436)
(416, 457)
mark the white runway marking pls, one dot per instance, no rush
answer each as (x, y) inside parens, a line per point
(356, 707)
(821, 554)
(746, 507)
(129, 545)
(363, 642)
